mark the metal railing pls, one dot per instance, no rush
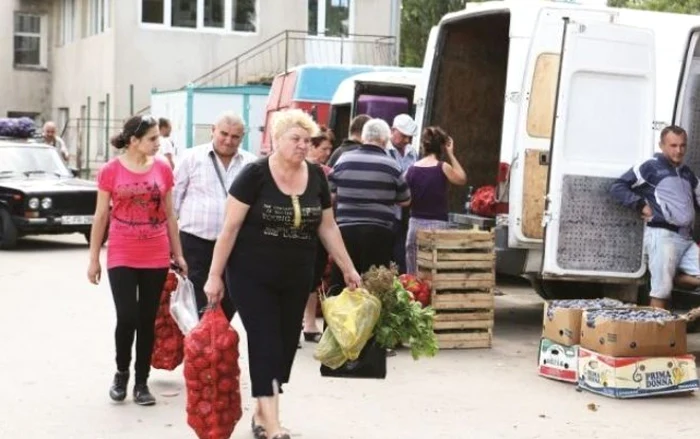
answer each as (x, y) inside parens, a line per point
(290, 48)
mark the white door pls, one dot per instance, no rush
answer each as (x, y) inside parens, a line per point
(420, 94)
(331, 25)
(528, 172)
(603, 125)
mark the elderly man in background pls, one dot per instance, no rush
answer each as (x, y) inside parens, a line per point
(402, 131)
(202, 180)
(50, 138)
(167, 147)
(367, 183)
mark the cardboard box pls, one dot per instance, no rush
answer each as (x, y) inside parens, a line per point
(564, 327)
(619, 338)
(557, 361)
(564, 324)
(635, 377)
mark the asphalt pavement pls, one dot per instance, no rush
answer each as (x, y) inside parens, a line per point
(56, 365)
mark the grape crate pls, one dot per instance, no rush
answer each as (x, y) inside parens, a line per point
(459, 265)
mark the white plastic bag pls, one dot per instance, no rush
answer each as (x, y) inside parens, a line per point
(183, 306)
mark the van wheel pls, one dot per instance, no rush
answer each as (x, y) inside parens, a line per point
(549, 289)
(8, 231)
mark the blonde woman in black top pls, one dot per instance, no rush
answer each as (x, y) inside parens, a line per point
(277, 209)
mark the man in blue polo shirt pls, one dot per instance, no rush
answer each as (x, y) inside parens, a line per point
(403, 129)
(367, 184)
(666, 194)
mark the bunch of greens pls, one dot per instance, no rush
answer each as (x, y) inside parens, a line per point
(401, 320)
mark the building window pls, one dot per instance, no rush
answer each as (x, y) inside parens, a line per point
(152, 11)
(244, 16)
(17, 114)
(29, 41)
(227, 15)
(67, 21)
(330, 18)
(98, 20)
(214, 13)
(184, 13)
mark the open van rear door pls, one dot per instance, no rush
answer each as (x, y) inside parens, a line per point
(603, 125)
(378, 99)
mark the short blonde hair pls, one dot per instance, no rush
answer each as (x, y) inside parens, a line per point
(283, 121)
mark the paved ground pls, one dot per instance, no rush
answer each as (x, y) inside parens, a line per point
(56, 363)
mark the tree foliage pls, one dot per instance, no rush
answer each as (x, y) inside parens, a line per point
(679, 6)
(417, 18)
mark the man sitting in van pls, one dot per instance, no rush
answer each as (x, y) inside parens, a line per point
(665, 192)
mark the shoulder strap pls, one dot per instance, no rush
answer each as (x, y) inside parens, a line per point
(218, 172)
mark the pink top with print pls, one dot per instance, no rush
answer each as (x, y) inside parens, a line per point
(138, 229)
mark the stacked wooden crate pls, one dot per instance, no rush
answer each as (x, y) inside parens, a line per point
(459, 264)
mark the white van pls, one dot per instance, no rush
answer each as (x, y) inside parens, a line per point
(569, 97)
(382, 94)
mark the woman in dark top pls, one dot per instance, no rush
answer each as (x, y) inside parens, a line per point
(277, 208)
(321, 146)
(428, 179)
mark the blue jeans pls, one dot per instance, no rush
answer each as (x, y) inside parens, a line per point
(669, 252)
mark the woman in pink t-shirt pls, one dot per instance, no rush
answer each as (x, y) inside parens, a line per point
(143, 236)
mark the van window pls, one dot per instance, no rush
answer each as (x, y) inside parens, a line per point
(540, 113)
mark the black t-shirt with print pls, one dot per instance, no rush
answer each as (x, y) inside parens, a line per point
(276, 235)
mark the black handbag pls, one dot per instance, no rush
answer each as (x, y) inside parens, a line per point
(370, 364)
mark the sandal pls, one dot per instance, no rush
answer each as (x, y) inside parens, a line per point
(312, 337)
(258, 430)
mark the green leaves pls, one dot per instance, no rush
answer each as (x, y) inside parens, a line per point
(417, 18)
(678, 6)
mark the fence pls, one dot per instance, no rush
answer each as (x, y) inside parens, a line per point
(87, 140)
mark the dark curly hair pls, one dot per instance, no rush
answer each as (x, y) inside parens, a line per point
(324, 133)
(136, 126)
(433, 140)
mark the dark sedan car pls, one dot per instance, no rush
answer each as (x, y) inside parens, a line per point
(39, 195)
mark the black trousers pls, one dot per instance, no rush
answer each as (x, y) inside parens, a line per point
(136, 293)
(271, 308)
(367, 245)
(198, 254)
(400, 234)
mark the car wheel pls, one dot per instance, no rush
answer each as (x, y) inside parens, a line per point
(8, 231)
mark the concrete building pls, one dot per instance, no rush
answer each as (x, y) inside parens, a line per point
(88, 64)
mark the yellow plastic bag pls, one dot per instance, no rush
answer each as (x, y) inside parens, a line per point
(328, 351)
(351, 316)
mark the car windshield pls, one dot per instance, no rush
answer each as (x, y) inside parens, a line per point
(28, 160)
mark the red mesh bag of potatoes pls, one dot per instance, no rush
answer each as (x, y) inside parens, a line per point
(168, 345)
(212, 377)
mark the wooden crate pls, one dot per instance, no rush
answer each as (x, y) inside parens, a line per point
(459, 265)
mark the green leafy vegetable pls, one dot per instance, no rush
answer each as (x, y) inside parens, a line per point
(401, 320)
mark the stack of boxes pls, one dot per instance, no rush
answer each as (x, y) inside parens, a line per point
(459, 265)
(616, 350)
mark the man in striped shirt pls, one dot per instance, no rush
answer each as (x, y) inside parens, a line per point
(366, 184)
(202, 181)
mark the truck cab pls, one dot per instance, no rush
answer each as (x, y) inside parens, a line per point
(566, 97)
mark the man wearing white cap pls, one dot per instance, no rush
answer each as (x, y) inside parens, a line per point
(402, 131)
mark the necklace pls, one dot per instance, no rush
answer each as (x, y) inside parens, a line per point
(297, 211)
